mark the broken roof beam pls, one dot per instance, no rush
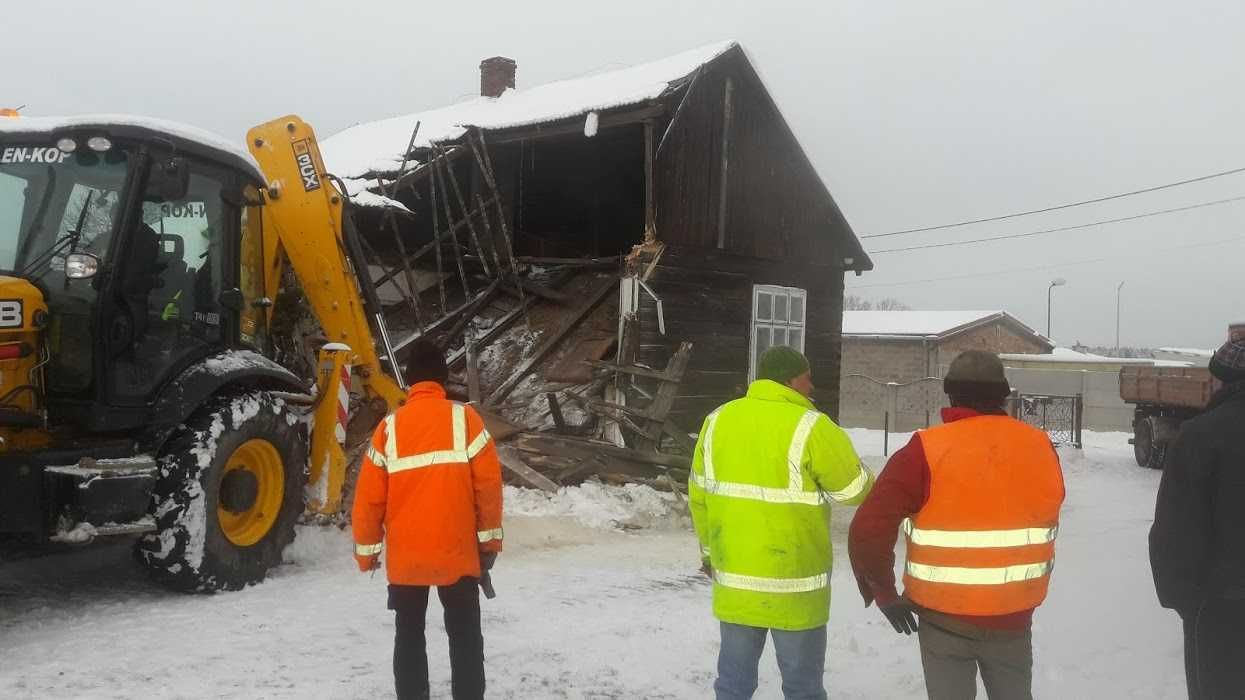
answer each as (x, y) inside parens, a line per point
(408, 179)
(462, 202)
(609, 261)
(554, 338)
(577, 448)
(446, 318)
(513, 462)
(424, 249)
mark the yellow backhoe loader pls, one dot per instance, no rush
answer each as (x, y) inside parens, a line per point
(139, 394)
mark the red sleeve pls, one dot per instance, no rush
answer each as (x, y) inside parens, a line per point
(901, 490)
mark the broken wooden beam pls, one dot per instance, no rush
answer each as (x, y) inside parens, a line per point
(539, 290)
(442, 321)
(512, 461)
(578, 448)
(633, 370)
(501, 326)
(663, 401)
(470, 313)
(473, 373)
(555, 410)
(573, 262)
(462, 203)
(552, 340)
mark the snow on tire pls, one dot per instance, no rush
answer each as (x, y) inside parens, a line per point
(191, 549)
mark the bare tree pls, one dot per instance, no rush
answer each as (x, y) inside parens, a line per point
(851, 302)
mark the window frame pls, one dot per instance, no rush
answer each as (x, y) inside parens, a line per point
(771, 324)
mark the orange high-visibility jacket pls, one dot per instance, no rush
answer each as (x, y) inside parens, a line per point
(429, 492)
(984, 542)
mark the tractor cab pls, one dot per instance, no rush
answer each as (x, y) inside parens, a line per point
(126, 255)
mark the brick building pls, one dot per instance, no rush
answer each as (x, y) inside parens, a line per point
(906, 347)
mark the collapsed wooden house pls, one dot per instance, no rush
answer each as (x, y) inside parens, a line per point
(604, 258)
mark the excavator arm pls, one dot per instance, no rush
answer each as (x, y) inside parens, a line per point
(303, 218)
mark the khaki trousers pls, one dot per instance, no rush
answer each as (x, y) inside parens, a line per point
(951, 661)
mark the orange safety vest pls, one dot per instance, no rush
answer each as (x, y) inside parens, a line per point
(984, 542)
(429, 492)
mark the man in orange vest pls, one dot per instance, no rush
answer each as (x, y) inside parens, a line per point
(429, 498)
(978, 498)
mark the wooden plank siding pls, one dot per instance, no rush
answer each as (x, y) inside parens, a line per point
(776, 207)
(707, 300)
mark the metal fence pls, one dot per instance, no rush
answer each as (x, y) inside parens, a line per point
(903, 407)
(1060, 417)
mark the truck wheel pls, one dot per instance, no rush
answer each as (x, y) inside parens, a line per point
(229, 491)
(1146, 449)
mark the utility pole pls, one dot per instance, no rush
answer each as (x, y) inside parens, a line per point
(1117, 318)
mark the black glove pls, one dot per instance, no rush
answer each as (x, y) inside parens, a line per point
(900, 616)
(487, 559)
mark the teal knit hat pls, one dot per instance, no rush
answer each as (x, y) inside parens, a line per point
(782, 364)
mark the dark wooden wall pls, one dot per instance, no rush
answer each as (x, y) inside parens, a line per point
(707, 300)
(777, 207)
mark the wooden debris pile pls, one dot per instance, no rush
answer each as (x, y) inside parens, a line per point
(532, 342)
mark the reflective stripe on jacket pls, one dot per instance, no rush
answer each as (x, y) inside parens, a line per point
(429, 492)
(764, 471)
(984, 542)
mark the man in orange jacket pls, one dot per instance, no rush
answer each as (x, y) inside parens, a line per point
(429, 497)
(978, 498)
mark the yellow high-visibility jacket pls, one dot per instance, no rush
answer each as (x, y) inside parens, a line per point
(765, 469)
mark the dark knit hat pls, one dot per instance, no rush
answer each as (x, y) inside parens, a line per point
(1228, 363)
(782, 364)
(976, 374)
(425, 363)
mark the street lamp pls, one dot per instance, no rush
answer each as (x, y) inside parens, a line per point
(1117, 318)
(1058, 282)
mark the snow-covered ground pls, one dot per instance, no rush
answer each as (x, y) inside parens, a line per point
(598, 597)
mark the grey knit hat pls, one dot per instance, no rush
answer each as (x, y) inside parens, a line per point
(976, 374)
(1228, 363)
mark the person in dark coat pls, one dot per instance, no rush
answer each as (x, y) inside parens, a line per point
(1197, 543)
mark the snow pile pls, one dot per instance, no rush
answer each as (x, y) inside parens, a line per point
(377, 146)
(602, 506)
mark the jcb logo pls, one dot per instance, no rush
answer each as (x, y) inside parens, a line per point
(306, 165)
(11, 313)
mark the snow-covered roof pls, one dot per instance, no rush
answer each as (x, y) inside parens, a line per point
(1191, 352)
(916, 323)
(1068, 355)
(48, 125)
(378, 146)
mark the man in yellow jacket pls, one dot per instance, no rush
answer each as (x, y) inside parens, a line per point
(764, 472)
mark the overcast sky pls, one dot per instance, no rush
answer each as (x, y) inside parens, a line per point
(915, 112)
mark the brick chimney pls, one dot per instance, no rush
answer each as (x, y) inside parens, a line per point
(496, 74)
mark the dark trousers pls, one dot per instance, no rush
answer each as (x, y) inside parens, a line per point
(951, 661)
(461, 601)
(1214, 650)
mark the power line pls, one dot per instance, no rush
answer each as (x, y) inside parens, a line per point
(1052, 266)
(1029, 234)
(1044, 210)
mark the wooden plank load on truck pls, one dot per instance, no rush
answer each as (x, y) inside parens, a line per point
(1165, 397)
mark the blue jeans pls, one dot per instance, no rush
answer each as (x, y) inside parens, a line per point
(801, 661)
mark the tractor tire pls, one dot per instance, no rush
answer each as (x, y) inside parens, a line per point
(229, 491)
(1146, 449)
